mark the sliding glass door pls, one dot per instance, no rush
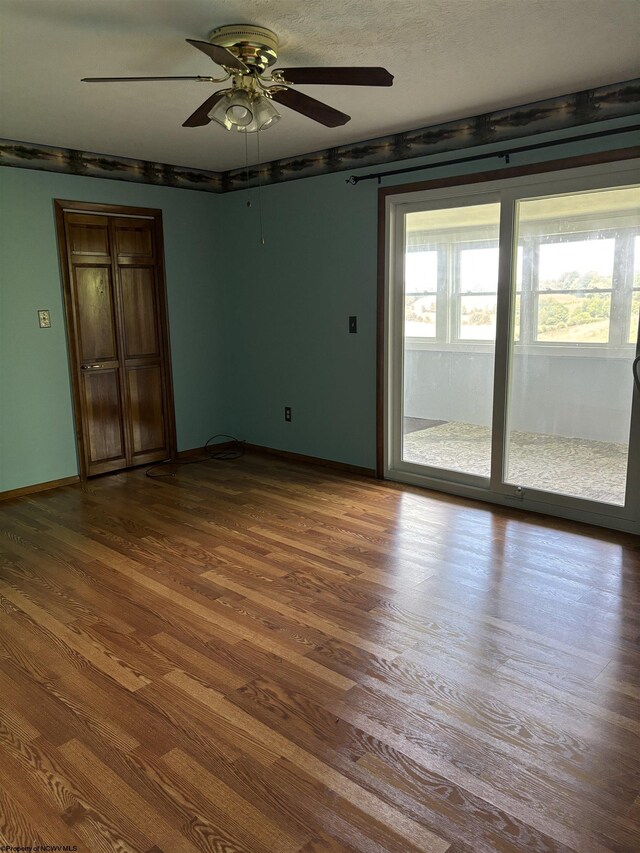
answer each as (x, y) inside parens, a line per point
(573, 343)
(449, 328)
(512, 328)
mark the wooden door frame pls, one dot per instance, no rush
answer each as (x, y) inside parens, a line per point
(154, 214)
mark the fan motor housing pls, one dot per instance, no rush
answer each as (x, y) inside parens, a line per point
(256, 46)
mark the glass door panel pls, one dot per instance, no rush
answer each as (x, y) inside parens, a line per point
(572, 343)
(448, 337)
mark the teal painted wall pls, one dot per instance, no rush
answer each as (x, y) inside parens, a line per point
(288, 309)
(253, 328)
(288, 318)
(37, 439)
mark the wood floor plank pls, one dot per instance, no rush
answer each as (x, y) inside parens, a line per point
(406, 828)
(221, 620)
(306, 617)
(483, 827)
(240, 811)
(92, 652)
(26, 819)
(192, 726)
(128, 802)
(258, 656)
(81, 802)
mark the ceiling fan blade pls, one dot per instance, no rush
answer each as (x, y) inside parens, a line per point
(309, 107)
(220, 55)
(201, 116)
(339, 76)
(135, 79)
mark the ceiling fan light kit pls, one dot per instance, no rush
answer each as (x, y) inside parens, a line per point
(239, 111)
(245, 52)
(265, 115)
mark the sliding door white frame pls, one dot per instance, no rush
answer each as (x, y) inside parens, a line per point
(494, 488)
(396, 315)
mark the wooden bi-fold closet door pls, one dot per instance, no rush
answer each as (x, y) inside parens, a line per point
(118, 335)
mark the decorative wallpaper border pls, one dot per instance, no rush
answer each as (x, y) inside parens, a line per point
(580, 108)
(48, 158)
(567, 111)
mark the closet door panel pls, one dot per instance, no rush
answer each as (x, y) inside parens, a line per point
(103, 420)
(96, 313)
(146, 409)
(139, 311)
(118, 337)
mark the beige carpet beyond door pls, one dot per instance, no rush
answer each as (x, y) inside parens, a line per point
(594, 470)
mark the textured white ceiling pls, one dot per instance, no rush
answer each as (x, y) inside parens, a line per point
(450, 58)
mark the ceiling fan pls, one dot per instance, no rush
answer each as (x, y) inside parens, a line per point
(245, 52)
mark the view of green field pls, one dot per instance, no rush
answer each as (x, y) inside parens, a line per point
(580, 314)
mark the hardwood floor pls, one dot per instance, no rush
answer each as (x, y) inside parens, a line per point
(268, 657)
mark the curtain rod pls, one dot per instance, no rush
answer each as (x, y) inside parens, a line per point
(506, 154)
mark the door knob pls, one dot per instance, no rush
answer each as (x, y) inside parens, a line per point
(90, 366)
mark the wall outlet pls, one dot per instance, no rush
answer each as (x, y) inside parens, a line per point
(287, 414)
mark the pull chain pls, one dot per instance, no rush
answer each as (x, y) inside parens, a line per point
(260, 190)
(246, 168)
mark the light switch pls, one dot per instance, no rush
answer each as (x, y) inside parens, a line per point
(44, 319)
